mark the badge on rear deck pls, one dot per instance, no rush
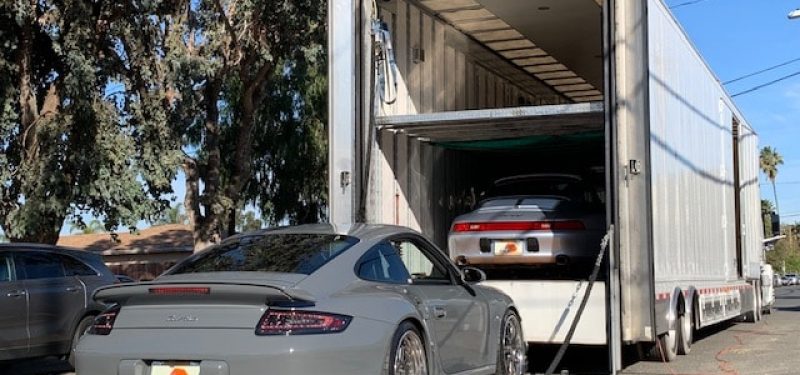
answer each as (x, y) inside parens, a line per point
(181, 318)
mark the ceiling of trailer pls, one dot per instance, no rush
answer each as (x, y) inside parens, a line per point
(569, 30)
(556, 41)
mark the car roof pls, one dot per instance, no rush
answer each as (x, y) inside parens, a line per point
(26, 246)
(534, 176)
(359, 230)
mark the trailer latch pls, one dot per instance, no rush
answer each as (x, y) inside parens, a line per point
(344, 179)
(634, 167)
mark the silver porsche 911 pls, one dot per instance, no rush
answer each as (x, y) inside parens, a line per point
(308, 300)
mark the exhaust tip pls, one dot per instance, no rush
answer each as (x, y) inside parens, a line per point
(562, 260)
(461, 260)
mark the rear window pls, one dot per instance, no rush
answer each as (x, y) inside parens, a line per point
(292, 253)
(550, 187)
(537, 202)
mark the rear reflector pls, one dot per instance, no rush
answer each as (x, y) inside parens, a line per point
(180, 291)
(519, 226)
(300, 322)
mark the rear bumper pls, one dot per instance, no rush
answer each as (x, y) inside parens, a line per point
(573, 246)
(359, 349)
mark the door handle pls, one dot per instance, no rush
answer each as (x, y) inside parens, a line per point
(16, 293)
(440, 312)
(73, 289)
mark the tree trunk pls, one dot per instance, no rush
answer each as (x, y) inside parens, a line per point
(775, 193)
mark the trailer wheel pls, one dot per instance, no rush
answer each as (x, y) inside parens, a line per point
(754, 315)
(686, 331)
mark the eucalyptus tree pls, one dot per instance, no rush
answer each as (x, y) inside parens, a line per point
(241, 70)
(83, 115)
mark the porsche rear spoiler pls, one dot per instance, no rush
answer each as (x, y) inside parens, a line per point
(216, 292)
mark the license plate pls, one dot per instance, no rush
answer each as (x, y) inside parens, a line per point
(174, 368)
(509, 247)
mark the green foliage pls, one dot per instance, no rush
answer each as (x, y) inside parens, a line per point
(83, 124)
(172, 215)
(251, 110)
(101, 102)
(93, 226)
(248, 221)
(785, 252)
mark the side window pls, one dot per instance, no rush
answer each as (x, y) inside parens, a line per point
(382, 264)
(39, 265)
(421, 266)
(5, 268)
(74, 267)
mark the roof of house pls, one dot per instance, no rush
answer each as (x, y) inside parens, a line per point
(166, 238)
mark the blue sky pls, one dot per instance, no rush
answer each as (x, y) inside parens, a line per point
(738, 37)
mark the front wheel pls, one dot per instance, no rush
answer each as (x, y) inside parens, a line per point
(407, 354)
(511, 355)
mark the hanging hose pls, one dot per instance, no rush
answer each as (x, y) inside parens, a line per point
(382, 79)
(597, 264)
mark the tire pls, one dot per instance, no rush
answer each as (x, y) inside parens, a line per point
(686, 327)
(80, 330)
(754, 315)
(407, 355)
(512, 351)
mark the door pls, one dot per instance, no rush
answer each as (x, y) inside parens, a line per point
(457, 317)
(54, 300)
(13, 312)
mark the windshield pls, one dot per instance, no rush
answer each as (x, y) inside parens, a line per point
(291, 253)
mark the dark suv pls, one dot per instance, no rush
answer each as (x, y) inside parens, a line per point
(46, 298)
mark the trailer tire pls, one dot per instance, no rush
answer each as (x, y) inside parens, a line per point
(686, 327)
(754, 315)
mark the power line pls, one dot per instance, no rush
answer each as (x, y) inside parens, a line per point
(686, 3)
(761, 71)
(759, 87)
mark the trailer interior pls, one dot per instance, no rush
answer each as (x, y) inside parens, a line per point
(486, 89)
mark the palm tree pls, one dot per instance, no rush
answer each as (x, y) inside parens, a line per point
(768, 161)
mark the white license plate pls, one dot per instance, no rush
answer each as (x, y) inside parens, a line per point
(507, 247)
(174, 368)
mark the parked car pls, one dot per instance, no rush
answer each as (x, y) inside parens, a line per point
(777, 280)
(531, 219)
(791, 278)
(45, 299)
(308, 300)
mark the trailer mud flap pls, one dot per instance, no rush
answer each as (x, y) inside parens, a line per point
(548, 307)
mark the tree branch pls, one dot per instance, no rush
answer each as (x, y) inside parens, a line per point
(229, 28)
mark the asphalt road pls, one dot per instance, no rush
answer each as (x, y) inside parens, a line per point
(770, 347)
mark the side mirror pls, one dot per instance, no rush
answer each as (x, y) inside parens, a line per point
(472, 275)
